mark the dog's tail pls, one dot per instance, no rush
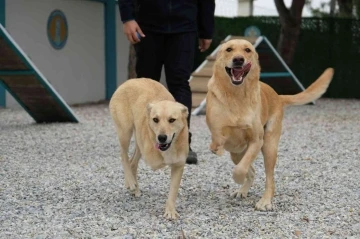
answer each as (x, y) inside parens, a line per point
(313, 92)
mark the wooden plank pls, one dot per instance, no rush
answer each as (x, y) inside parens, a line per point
(8, 58)
(19, 80)
(35, 98)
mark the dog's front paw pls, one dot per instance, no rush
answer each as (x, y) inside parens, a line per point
(241, 193)
(133, 188)
(264, 204)
(218, 150)
(171, 213)
(136, 192)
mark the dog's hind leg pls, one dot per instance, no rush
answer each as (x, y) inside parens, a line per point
(269, 151)
(124, 139)
(122, 117)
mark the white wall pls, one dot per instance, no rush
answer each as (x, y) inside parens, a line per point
(226, 8)
(77, 71)
(243, 8)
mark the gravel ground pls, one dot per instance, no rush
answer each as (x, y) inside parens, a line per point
(66, 181)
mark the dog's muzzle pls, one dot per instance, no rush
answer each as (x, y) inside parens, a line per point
(164, 146)
(237, 72)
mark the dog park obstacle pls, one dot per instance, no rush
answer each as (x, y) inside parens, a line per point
(274, 72)
(23, 80)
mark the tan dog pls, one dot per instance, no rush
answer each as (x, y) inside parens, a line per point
(245, 115)
(145, 107)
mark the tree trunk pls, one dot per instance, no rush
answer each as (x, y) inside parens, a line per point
(290, 20)
(332, 8)
(287, 42)
(345, 8)
(357, 8)
(132, 62)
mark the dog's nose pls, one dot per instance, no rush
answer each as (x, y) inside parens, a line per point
(162, 138)
(238, 61)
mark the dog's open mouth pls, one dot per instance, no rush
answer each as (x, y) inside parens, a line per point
(164, 147)
(238, 74)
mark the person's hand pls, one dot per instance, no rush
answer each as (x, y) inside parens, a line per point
(204, 44)
(131, 28)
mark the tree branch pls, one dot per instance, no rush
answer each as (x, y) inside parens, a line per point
(284, 13)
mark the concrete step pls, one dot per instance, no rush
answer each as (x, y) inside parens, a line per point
(205, 72)
(197, 98)
(198, 84)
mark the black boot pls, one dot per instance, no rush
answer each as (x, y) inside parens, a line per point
(192, 156)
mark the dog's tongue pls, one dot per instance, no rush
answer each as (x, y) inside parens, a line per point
(237, 72)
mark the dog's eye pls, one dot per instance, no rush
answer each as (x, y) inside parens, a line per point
(229, 49)
(156, 120)
(172, 120)
(247, 50)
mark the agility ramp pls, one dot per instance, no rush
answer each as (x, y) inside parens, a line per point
(22, 79)
(274, 72)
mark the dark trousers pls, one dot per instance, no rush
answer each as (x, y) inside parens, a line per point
(176, 53)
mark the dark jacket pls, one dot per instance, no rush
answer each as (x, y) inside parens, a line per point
(171, 16)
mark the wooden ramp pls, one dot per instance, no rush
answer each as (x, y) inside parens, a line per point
(274, 72)
(20, 77)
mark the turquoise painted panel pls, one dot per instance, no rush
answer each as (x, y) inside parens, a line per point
(110, 48)
(2, 22)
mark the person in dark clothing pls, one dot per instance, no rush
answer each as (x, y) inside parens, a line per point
(164, 33)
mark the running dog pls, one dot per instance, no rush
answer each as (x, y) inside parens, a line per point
(245, 115)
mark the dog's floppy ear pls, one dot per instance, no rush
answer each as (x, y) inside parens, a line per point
(149, 107)
(184, 110)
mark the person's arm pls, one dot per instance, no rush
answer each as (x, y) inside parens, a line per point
(206, 11)
(126, 8)
(130, 27)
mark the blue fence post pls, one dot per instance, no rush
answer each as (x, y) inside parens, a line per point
(2, 22)
(110, 48)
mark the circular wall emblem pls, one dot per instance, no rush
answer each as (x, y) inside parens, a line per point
(252, 31)
(57, 29)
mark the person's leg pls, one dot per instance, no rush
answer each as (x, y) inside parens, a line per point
(179, 59)
(150, 56)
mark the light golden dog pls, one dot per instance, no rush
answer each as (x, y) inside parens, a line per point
(245, 115)
(147, 109)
